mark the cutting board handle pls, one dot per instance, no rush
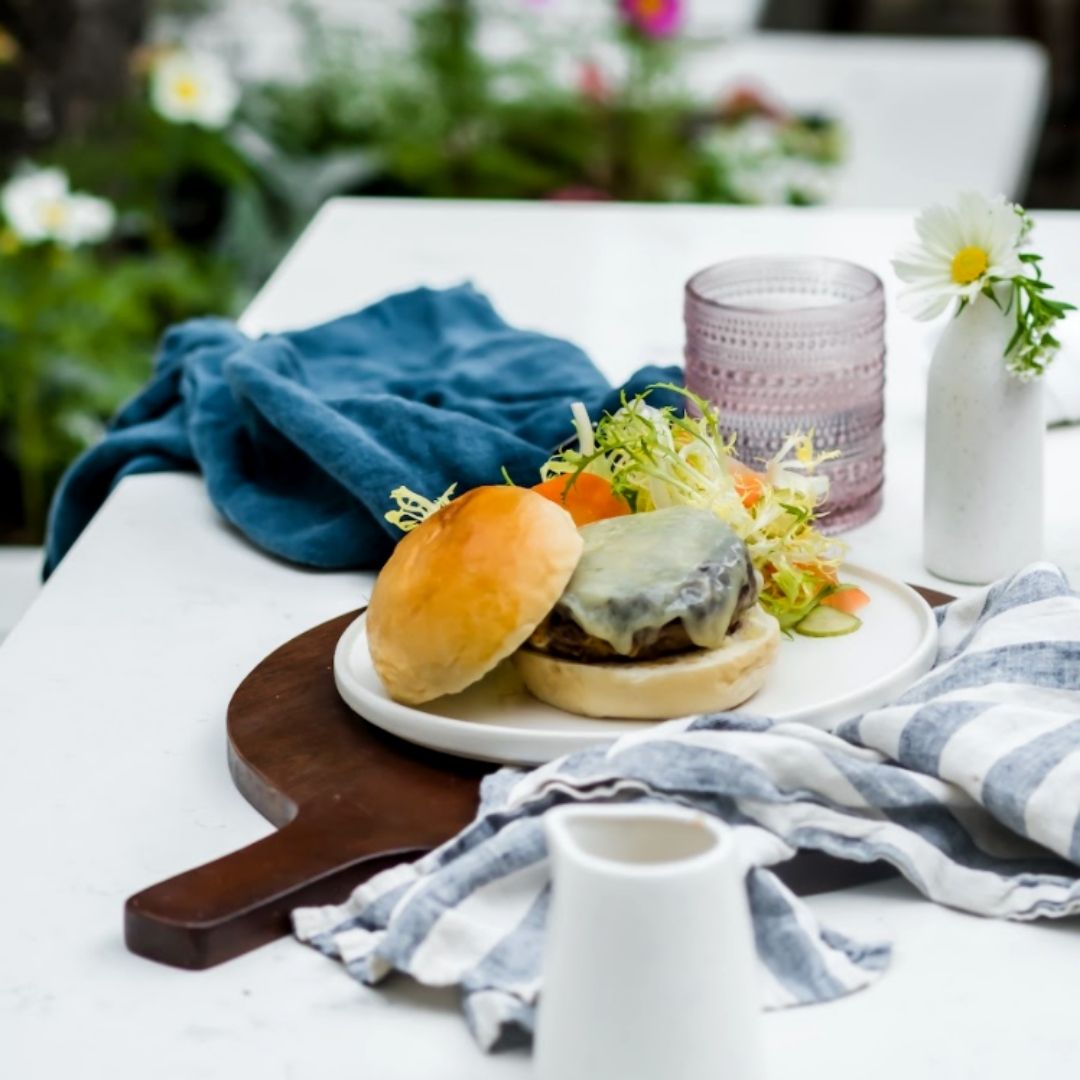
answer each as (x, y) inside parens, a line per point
(227, 907)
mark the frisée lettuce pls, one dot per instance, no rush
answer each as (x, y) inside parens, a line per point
(413, 509)
(658, 457)
(652, 458)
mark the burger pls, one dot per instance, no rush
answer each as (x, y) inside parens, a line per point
(641, 616)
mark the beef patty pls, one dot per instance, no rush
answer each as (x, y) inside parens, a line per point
(560, 636)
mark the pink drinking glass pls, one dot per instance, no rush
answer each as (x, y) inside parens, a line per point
(795, 343)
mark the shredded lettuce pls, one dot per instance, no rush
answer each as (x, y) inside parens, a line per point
(658, 457)
(413, 509)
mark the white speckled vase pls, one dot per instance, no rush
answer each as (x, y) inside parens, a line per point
(985, 430)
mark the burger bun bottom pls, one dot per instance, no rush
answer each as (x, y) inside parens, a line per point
(703, 681)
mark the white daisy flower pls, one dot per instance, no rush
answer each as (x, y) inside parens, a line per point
(960, 248)
(39, 206)
(33, 201)
(191, 88)
(89, 220)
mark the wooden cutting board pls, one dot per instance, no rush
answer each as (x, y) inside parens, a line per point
(348, 800)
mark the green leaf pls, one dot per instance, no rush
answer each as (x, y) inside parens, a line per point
(1015, 339)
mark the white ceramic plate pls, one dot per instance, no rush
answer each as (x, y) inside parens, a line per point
(819, 681)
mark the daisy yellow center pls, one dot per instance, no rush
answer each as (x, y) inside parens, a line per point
(54, 215)
(968, 264)
(186, 89)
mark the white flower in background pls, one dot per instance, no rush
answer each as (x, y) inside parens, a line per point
(39, 206)
(89, 220)
(759, 170)
(193, 88)
(754, 138)
(959, 249)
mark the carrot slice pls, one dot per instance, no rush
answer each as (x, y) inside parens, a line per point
(825, 573)
(848, 598)
(586, 497)
(749, 485)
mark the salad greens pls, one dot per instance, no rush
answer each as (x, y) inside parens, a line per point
(654, 458)
(657, 457)
(413, 509)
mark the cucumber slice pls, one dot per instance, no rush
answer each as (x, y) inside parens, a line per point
(828, 622)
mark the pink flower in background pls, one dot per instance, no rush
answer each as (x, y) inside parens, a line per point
(655, 18)
(591, 82)
(746, 100)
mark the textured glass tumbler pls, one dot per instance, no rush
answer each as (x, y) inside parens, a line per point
(793, 344)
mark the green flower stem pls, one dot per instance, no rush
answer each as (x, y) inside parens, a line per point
(1032, 346)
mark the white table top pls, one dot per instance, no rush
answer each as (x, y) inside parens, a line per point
(113, 690)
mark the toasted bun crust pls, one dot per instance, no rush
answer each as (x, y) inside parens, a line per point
(463, 590)
(704, 681)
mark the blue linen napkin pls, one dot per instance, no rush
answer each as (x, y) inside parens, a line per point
(302, 436)
(969, 785)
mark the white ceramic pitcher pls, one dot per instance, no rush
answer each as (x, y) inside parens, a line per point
(649, 969)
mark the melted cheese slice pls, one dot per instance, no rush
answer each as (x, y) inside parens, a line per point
(639, 572)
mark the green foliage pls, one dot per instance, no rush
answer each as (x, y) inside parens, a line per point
(79, 326)
(1033, 345)
(204, 215)
(77, 334)
(438, 118)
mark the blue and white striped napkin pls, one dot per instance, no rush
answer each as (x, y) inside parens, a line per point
(969, 785)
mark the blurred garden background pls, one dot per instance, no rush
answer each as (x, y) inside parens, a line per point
(157, 157)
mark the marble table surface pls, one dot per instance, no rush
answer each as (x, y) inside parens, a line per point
(113, 689)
